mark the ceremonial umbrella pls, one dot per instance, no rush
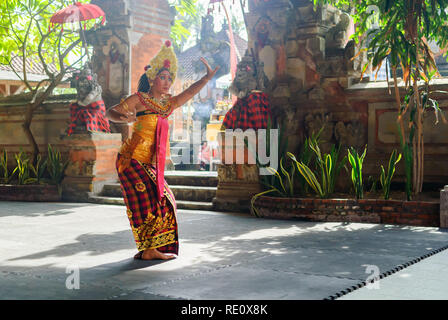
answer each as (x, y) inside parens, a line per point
(78, 12)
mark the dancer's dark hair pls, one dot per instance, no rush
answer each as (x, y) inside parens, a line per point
(143, 84)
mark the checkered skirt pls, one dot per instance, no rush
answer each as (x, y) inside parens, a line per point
(250, 112)
(153, 223)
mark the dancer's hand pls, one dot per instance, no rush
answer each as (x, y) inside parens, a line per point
(210, 73)
(128, 117)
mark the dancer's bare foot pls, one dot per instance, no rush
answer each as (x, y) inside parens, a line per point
(153, 254)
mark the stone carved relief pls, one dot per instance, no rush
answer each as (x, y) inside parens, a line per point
(228, 173)
(117, 69)
(262, 29)
(336, 37)
(215, 51)
(249, 76)
(350, 134)
(314, 122)
(291, 121)
(250, 172)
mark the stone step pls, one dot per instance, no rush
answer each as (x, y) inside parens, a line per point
(188, 193)
(112, 190)
(194, 193)
(194, 205)
(192, 178)
(178, 178)
(181, 204)
(106, 200)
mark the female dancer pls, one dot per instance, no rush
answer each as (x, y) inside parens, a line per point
(151, 206)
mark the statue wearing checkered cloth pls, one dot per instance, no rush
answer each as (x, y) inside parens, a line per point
(88, 113)
(252, 109)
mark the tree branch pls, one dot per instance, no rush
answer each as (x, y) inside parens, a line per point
(18, 76)
(70, 48)
(39, 51)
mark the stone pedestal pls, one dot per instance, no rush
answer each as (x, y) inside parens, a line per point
(237, 184)
(238, 177)
(444, 208)
(92, 157)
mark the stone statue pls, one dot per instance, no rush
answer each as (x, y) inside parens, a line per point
(87, 87)
(215, 51)
(337, 35)
(252, 108)
(249, 76)
(88, 113)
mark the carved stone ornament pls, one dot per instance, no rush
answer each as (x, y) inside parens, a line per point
(87, 86)
(249, 76)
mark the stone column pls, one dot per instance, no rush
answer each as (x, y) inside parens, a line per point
(111, 58)
(444, 208)
(92, 157)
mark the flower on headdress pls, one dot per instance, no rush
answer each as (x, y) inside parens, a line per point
(166, 64)
(147, 67)
(89, 78)
(168, 43)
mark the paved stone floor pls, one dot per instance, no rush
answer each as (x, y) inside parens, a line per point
(222, 256)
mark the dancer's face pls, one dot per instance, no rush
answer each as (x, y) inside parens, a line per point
(162, 83)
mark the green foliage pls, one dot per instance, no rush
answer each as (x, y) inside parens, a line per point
(386, 178)
(27, 173)
(404, 26)
(276, 180)
(322, 183)
(5, 178)
(55, 166)
(406, 149)
(405, 30)
(306, 156)
(186, 16)
(23, 169)
(24, 33)
(39, 169)
(279, 183)
(309, 176)
(372, 183)
(356, 172)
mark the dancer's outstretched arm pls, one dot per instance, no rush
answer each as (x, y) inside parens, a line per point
(194, 89)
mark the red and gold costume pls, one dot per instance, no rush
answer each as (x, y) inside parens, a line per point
(151, 206)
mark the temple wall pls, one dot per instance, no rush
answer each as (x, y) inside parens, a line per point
(134, 32)
(315, 82)
(48, 126)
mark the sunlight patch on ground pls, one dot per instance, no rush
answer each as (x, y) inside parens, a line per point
(404, 275)
(266, 233)
(336, 226)
(275, 251)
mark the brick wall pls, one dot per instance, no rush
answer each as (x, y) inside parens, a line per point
(413, 213)
(49, 124)
(151, 26)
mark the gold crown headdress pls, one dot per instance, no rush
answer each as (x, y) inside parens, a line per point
(165, 59)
